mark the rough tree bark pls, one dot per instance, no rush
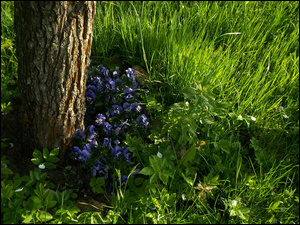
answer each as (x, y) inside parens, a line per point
(53, 44)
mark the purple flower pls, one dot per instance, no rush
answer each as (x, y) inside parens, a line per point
(82, 155)
(116, 73)
(136, 106)
(90, 128)
(115, 110)
(143, 120)
(116, 142)
(117, 151)
(100, 119)
(92, 88)
(90, 97)
(79, 133)
(127, 107)
(128, 93)
(127, 155)
(135, 85)
(99, 170)
(130, 73)
(109, 84)
(107, 128)
(107, 142)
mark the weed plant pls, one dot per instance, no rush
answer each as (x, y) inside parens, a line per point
(219, 139)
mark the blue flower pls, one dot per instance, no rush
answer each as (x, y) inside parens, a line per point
(82, 155)
(107, 142)
(92, 88)
(96, 81)
(99, 170)
(116, 73)
(115, 110)
(128, 93)
(90, 97)
(135, 85)
(136, 106)
(107, 128)
(91, 145)
(130, 73)
(117, 129)
(110, 84)
(127, 107)
(117, 151)
(90, 128)
(143, 120)
(127, 155)
(79, 133)
(100, 119)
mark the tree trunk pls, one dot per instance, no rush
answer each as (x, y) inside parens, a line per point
(53, 44)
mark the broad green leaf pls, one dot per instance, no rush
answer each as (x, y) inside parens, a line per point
(147, 171)
(36, 161)
(189, 92)
(6, 171)
(155, 163)
(38, 155)
(54, 152)
(53, 159)
(188, 156)
(49, 165)
(44, 216)
(45, 153)
(164, 178)
(153, 178)
(225, 145)
(100, 181)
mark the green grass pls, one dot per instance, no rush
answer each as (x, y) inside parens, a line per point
(231, 61)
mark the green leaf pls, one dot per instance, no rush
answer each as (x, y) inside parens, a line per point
(37, 154)
(155, 162)
(53, 159)
(36, 161)
(100, 181)
(164, 178)
(189, 92)
(6, 171)
(225, 145)
(27, 218)
(147, 171)
(54, 152)
(44, 216)
(45, 153)
(153, 178)
(188, 156)
(138, 181)
(49, 165)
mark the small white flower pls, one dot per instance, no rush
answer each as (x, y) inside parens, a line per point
(183, 197)
(42, 166)
(159, 155)
(253, 118)
(187, 103)
(18, 190)
(234, 203)
(285, 116)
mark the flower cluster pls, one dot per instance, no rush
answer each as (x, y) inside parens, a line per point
(113, 110)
